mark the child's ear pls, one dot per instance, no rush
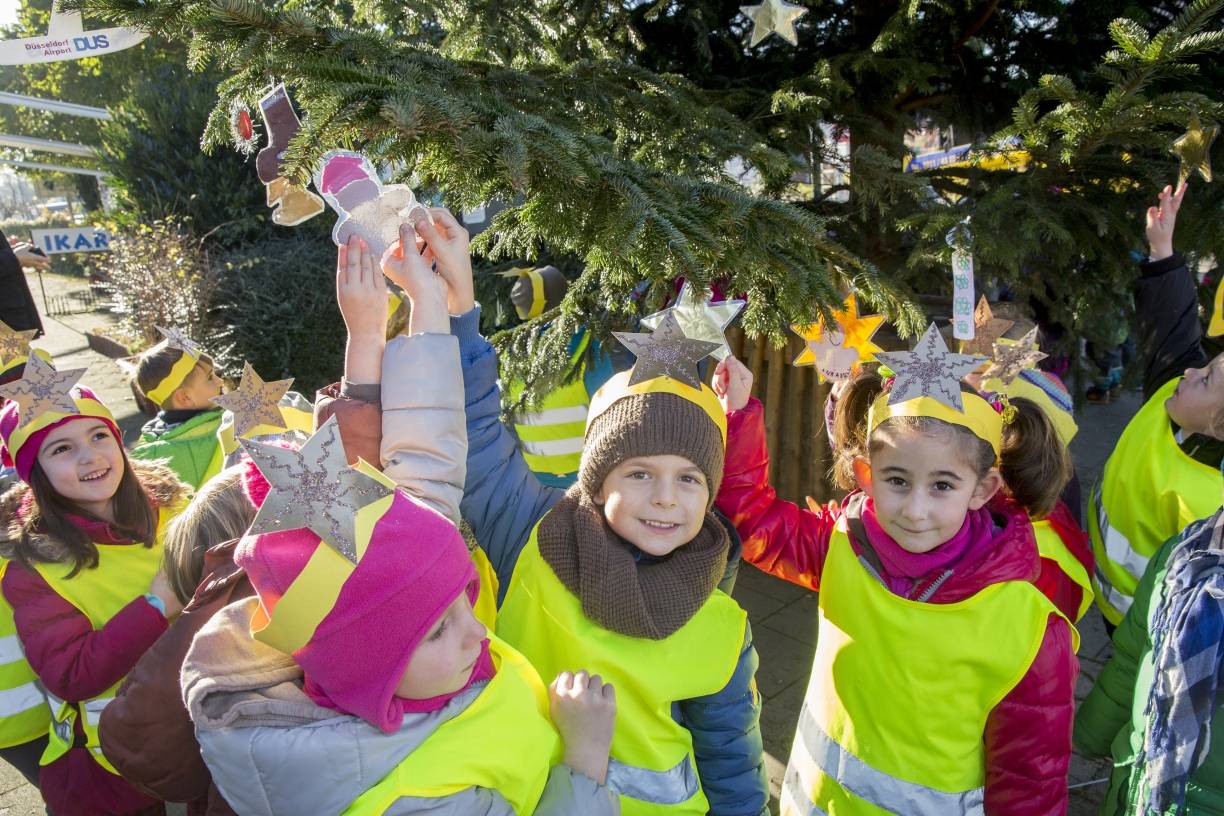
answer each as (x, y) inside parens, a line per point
(987, 486)
(862, 474)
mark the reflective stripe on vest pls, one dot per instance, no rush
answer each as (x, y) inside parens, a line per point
(503, 741)
(907, 739)
(23, 710)
(1150, 491)
(552, 436)
(653, 767)
(793, 800)
(124, 573)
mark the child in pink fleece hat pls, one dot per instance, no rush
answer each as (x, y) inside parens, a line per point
(359, 679)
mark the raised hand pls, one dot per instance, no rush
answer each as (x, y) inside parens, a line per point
(1161, 220)
(445, 243)
(732, 384)
(361, 293)
(404, 264)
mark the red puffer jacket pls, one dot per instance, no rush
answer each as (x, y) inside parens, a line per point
(1028, 734)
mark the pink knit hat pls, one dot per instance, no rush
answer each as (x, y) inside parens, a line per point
(415, 565)
(19, 447)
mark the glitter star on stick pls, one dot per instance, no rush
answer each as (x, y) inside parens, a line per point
(823, 345)
(176, 339)
(314, 489)
(930, 370)
(1010, 359)
(255, 402)
(773, 17)
(700, 319)
(42, 389)
(665, 353)
(986, 329)
(14, 344)
(1193, 150)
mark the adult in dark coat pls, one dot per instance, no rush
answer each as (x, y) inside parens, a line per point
(17, 307)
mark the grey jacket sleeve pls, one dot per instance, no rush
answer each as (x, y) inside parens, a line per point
(424, 439)
(569, 792)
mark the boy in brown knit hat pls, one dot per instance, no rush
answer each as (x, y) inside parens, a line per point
(620, 572)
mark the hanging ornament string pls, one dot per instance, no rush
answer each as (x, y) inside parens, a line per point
(961, 241)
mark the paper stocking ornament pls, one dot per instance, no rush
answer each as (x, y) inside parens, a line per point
(291, 203)
(366, 207)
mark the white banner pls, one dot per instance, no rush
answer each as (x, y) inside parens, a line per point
(66, 39)
(71, 239)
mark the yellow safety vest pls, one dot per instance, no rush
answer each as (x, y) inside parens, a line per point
(1150, 491)
(652, 765)
(552, 436)
(1051, 546)
(297, 414)
(124, 572)
(23, 704)
(900, 693)
(503, 741)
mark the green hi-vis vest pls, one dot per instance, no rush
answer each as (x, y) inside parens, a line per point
(191, 449)
(23, 705)
(1150, 491)
(900, 693)
(124, 572)
(652, 766)
(1050, 545)
(551, 436)
(504, 741)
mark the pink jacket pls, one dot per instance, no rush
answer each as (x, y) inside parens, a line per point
(1028, 734)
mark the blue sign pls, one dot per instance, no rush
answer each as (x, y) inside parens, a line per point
(71, 239)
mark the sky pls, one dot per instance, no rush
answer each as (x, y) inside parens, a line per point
(8, 11)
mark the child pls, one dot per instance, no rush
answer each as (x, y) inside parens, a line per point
(943, 681)
(1154, 703)
(83, 535)
(1164, 472)
(380, 683)
(184, 432)
(620, 573)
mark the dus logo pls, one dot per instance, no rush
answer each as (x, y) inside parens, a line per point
(90, 43)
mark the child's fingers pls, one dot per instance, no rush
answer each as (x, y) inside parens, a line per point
(353, 258)
(443, 216)
(341, 266)
(563, 683)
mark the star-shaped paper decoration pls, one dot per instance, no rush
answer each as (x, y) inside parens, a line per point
(313, 489)
(665, 353)
(42, 389)
(1010, 359)
(700, 319)
(930, 370)
(255, 402)
(774, 17)
(13, 343)
(986, 329)
(175, 339)
(826, 348)
(1193, 150)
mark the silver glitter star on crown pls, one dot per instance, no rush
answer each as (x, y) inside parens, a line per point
(929, 370)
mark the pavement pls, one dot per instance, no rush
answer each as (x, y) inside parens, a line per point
(783, 616)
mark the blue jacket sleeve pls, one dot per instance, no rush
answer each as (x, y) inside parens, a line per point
(502, 499)
(727, 742)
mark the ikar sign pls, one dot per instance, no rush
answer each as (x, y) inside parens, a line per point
(71, 239)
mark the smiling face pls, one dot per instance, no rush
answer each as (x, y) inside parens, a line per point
(444, 660)
(197, 391)
(656, 503)
(923, 485)
(84, 464)
(1199, 399)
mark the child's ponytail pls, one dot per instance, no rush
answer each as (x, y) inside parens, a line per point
(850, 424)
(1033, 461)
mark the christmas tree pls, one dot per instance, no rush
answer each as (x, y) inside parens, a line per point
(612, 130)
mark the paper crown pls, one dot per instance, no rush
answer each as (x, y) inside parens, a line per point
(297, 418)
(978, 416)
(12, 363)
(1048, 392)
(619, 388)
(191, 353)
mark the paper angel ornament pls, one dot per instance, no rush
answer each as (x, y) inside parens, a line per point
(369, 209)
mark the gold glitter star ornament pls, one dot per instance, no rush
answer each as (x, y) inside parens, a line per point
(14, 345)
(699, 319)
(255, 402)
(837, 352)
(773, 17)
(1193, 150)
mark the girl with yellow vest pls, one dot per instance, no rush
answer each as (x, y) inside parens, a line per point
(84, 577)
(944, 679)
(1164, 472)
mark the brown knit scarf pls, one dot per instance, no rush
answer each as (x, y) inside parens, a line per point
(638, 599)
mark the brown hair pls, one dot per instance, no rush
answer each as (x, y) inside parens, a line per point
(979, 455)
(220, 512)
(48, 536)
(850, 424)
(155, 365)
(1035, 464)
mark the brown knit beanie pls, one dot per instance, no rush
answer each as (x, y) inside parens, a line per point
(651, 424)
